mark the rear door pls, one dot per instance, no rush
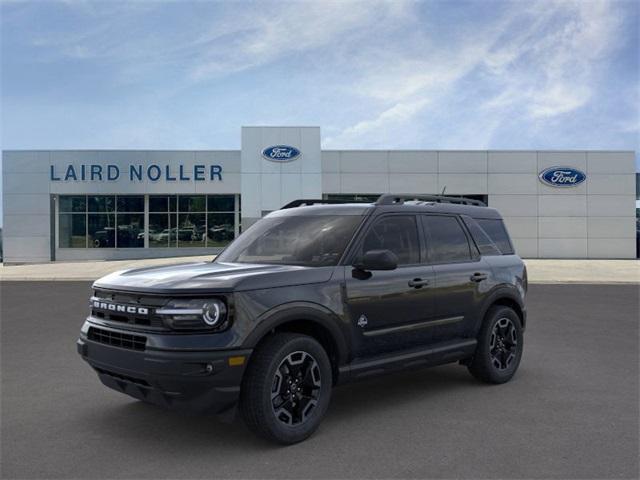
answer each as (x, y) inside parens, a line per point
(461, 277)
(387, 308)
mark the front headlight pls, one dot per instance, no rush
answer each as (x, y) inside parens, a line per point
(198, 314)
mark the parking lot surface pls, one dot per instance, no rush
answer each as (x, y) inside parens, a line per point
(570, 412)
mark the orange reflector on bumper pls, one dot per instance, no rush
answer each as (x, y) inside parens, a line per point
(236, 361)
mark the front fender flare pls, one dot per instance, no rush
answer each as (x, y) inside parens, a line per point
(312, 312)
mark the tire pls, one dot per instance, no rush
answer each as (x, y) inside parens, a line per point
(283, 363)
(497, 357)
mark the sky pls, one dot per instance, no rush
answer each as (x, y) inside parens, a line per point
(373, 74)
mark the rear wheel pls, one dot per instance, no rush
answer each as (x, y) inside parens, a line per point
(499, 349)
(287, 387)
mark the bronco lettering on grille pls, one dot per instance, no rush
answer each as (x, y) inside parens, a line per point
(114, 307)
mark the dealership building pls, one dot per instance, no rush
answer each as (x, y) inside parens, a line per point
(122, 204)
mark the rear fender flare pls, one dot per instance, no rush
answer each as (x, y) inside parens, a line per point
(499, 293)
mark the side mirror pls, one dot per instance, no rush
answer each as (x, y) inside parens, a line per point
(377, 260)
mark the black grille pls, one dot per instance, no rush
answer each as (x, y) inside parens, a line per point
(134, 320)
(117, 339)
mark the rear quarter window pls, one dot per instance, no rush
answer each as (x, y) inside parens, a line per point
(481, 238)
(494, 227)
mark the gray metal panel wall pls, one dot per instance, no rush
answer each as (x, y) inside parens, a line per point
(592, 220)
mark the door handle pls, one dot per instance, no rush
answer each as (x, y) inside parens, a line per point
(418, 283)
(478, 277)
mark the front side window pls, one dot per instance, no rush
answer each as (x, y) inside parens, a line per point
(311, 241)
(446, 240)
(397, 233)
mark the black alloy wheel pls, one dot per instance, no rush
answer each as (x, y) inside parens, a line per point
(504, 343)
(296, 388)
(500, 346)
(286, 388)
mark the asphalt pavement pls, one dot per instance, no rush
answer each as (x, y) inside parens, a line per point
(571, 411)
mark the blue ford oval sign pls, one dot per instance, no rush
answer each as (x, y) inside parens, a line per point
(562, 177)
(281, 153)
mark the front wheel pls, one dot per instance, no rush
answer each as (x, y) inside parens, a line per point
(500, 345)
(287, 387)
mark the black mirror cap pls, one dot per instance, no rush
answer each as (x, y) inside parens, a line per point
(377, 260)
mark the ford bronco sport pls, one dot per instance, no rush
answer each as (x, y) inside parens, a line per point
(313, 295)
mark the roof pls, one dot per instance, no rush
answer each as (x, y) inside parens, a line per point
(332, 208)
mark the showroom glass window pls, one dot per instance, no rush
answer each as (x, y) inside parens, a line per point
(118, 221)
(192, 225)
(162, 220)
(353, 197)
(130, 221)
(72, 221)
(101, 221)
(191, 221)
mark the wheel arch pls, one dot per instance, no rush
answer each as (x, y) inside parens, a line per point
(504, 297)
(313, 320)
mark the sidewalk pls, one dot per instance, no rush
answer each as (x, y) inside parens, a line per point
(84, 270)
(582, 271)
(540, 271)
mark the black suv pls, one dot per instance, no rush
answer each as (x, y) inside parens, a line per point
(313, 295)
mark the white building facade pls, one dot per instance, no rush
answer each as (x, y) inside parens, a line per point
(120, 204)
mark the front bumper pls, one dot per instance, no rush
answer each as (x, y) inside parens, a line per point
(201, 381)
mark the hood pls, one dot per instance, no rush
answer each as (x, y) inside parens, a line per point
(201, 277)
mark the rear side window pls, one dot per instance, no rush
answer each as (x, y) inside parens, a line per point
(496, 231)
(483, 242)
(397, 233)
(446, 240)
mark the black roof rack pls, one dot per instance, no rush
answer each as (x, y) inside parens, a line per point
(311, 201)
(388, 199)
(394, 199)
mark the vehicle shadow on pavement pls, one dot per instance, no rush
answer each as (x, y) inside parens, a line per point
(146, 424)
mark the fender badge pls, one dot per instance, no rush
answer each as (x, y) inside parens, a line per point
(362, 321)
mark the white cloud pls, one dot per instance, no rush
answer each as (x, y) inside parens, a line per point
(255, 38)
(543, 57)
(398, 113)
(232, 37)
(551, 69)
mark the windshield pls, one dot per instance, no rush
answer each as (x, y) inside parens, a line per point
(312, 241)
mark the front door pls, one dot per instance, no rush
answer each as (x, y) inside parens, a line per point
(388, 308)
